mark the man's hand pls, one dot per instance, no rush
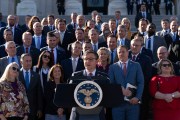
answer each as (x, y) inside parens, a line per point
(126, 92)
(39, 114)
(60, 112)
(134, 100)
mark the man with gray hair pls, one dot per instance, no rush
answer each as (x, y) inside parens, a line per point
(10, 48)
(162, 53)
(105, 30)
(39, 40)
(121, 33)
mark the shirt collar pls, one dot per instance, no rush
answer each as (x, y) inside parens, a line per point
(75, 58)
(49, 49)
(87, 72)
(24, 71)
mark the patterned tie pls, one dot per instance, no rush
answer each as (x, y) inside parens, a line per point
(27, 79)
(124, 69)
(133, 58)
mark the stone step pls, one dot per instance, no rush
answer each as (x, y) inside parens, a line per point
(155, 18)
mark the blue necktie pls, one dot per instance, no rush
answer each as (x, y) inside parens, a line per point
(12, 60)
(38, 42)
(149, 43)
(174, 37)
(27, 79)
(95, 48)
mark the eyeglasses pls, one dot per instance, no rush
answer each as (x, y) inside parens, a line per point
(90, 59)
(166, 65)
(46, 56)
(15, 69)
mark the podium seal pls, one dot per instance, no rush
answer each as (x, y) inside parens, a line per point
(88, 94)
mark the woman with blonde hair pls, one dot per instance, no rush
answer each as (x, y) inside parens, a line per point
(104, 59)
(125, 21)
(44, 22)
(14, 104)
(165, 90)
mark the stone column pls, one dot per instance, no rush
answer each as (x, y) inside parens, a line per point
(73, 6)
(178, 8)
(7, 7)
(26, 7)
(117, 5)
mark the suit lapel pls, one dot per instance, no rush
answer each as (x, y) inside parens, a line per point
(78, 67)
(70, 63)
(31, 80)
(129, 67)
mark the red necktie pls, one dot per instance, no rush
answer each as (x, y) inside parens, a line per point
(90, 74)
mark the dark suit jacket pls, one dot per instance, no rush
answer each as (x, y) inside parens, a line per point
(34, 93)
(3, 53)
(139, 16)
(146, 66)
(168, 39)
(174, 50)
(60, 54)
(34, 52)
(158, 41)
(127, 43)
(102, 44)
(17, 35)
(148, 53)
(67, 67)
(43, 41)
(68, 38)
(4, 62)
(24, 28)
(2, 24)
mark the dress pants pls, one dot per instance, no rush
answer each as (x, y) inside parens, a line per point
(126, 111)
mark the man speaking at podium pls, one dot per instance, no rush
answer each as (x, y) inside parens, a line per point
(90, 60)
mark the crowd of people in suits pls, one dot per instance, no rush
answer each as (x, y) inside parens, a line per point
(153, 6)
(40, 54)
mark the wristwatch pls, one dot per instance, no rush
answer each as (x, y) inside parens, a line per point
(173, 95)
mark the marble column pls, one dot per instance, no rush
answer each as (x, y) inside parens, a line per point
(117, 5)
(7, 7)
(73, 6)
(26, 7)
